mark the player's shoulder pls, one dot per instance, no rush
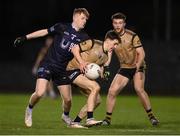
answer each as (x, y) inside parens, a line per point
(98, 42)
(83, 35)
(88, 41)
(130, 32)
(62, 25)
(91, 42)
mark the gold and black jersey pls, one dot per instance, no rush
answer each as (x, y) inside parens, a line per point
(126, 50)
(91, 51)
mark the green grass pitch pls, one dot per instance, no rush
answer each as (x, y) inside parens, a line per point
(128, 118)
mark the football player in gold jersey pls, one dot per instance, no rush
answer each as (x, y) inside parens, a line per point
(130, 54)
(92, 51)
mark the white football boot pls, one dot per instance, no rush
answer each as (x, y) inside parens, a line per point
(92, 122)
(28, 117)
(77, 125)
(66, 119)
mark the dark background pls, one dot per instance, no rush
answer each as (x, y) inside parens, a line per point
(155, 21)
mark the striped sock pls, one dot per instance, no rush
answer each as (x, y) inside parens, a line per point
(150, 113)
(108, 116)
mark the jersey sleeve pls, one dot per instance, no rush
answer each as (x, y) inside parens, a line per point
(86, 45)
(136, 41)
(57, 28)
(84, 36)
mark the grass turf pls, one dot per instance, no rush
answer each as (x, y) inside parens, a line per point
(128, 117)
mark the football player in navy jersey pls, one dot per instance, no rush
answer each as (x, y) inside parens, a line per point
(66, 38)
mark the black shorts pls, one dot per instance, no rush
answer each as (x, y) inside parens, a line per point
(127, 72)
(73, 74)
(142, 69)
(49, 72)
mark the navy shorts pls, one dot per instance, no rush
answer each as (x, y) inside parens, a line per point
(58, 77)
(73, 74)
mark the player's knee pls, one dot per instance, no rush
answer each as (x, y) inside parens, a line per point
(95, 88)
(139, 89)
(112, 93)
(67, 101)
(38, 94)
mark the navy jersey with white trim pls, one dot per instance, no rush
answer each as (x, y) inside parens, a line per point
(65, 36)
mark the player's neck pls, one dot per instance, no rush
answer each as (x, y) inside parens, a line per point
(122, 32)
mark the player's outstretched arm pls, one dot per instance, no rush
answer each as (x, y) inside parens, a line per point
(20, 40)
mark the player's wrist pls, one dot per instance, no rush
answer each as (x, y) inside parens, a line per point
(106, 72)
(24, 38)
(106, 67)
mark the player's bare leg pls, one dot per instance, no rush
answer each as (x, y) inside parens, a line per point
(41, 86)
(118, 83)
(139, 79)
(65, 91)
(83, 112)
(94, 88)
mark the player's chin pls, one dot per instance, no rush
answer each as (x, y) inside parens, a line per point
(118, 30)
(82, 26)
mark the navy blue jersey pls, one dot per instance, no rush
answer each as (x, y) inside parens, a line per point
(65, 36)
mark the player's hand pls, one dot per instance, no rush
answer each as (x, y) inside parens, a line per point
(106, 72)
(82, 66)
(19, 41)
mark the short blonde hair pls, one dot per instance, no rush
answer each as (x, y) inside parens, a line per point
(81, 10)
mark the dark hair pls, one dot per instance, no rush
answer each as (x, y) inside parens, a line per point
(118, 15)
(112, 35)
(81, 10)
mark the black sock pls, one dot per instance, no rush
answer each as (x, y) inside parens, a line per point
(89, 115)
(66, 113)
(30, 106)
(77, 119)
